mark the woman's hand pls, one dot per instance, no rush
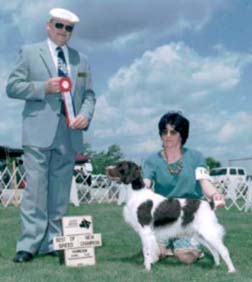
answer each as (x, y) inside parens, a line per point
(211, 192)
(219, 200)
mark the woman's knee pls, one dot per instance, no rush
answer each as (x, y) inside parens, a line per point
(187, 256)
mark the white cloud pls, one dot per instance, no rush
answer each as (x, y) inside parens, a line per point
(172, 77)
(145, 19)
(237, 128)
(172, 72)
(224, 75)
(10, 112)
(227, 132)
(223, 135)
(116, 22)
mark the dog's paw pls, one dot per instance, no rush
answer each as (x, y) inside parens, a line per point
(232, 271)
(147, 265)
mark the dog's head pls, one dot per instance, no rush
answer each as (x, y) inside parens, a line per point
(126, 172)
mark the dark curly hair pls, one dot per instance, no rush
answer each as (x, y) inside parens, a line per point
(176, 120)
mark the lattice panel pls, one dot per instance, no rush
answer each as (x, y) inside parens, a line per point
(11, 186)
(237, 194)
(98, 188)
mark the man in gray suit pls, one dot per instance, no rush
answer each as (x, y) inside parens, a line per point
(50, 145)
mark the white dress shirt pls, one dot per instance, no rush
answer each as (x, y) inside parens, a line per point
(54, 54)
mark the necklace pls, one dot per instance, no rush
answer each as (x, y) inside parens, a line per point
(176, 167)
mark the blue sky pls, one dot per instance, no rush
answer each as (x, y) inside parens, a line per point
(148, 57)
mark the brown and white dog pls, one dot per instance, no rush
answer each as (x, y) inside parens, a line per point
(156, 218)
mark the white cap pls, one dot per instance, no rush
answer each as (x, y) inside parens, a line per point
(64, 14)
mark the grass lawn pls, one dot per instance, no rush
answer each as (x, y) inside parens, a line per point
(120, 258)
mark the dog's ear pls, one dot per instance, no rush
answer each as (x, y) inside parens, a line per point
(128, 171)
(137, 182)
(136, 173)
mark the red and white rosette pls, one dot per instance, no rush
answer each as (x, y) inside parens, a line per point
(65, 88)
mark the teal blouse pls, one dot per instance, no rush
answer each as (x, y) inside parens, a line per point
(182, 185)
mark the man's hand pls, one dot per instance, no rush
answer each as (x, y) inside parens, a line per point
(52, 85)
(80, 122)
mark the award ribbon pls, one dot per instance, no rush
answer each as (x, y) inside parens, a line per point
(65, 88)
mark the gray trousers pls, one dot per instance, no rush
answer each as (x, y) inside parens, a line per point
(46, 197)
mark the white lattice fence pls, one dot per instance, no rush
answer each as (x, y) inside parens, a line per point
(95, 188)
(98, 188)
(237, 194)
(89, 188)
(12, 183)
(248, 205)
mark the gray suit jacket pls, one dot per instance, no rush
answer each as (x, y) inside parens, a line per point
(41, 112)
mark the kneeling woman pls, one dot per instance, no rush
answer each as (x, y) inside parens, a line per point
(179, 172)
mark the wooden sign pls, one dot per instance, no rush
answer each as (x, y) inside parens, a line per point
(78, 241)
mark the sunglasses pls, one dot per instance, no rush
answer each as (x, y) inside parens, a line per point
(68, 28)
(172, 132)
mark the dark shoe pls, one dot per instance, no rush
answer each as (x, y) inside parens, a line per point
(23, 256)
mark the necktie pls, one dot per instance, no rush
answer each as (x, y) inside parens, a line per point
(62, 71)
(62, 65)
